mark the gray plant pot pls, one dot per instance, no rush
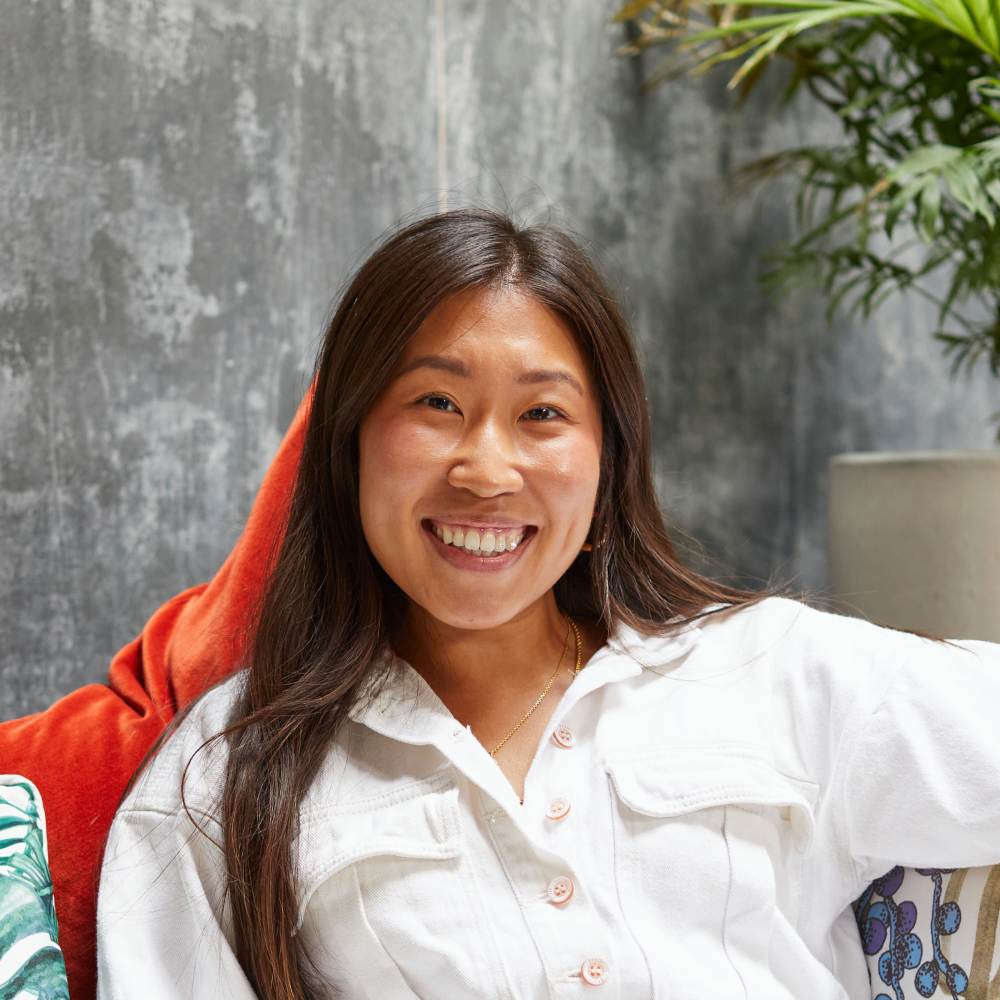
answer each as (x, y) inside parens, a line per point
(914, 540)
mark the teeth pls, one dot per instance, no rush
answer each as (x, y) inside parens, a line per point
(485, 543)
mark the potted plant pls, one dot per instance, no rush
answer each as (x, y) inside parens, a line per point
(909, 196)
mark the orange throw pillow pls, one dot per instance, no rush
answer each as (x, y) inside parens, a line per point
(81, 752)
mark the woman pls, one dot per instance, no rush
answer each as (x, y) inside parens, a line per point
(493, 738)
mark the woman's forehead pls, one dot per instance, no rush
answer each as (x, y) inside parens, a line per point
(479, 327)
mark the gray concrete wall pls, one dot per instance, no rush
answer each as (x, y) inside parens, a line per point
(185, 184)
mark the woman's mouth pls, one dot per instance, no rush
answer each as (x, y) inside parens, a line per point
(482, 562)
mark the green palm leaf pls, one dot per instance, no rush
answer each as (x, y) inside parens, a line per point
(976, 22)
(915, 85)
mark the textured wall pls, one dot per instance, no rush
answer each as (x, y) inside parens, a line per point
(185, 184)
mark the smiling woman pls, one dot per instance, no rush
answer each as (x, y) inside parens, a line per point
(484, 464)
(493, 739)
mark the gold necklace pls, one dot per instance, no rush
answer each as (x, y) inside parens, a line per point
(579, 655)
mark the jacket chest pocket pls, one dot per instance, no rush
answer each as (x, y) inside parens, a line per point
(709, 847)
(389, 898)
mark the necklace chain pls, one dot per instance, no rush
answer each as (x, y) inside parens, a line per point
(538, 701)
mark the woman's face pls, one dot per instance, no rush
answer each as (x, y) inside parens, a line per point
(473, 435)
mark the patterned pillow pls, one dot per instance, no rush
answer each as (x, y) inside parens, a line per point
(932, 932)
(31, 962)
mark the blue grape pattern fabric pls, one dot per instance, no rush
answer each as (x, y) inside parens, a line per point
(894, 930)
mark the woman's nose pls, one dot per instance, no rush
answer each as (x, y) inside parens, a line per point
(487, 456)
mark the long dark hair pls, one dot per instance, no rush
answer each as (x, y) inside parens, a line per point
(327, 606)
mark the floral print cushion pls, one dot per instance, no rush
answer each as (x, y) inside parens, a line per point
(932, 932)
(31, 962)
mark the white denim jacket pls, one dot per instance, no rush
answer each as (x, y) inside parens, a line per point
(698, 817)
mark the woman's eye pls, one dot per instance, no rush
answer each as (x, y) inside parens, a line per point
(552, 409)
(422, 399)
(534, 409)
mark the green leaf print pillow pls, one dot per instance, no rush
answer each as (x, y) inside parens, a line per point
(31, 962)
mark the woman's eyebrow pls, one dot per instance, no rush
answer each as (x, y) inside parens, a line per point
(457, 367)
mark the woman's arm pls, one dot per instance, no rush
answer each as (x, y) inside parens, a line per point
(162, 928)
(920, 778)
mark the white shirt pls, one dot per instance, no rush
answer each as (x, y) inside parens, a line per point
(698, 817)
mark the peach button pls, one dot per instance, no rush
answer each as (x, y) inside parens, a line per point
(594, 972)
(560, 889)
(563, 737)
(557, 809)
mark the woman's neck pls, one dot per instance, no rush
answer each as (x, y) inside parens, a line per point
(479, 673)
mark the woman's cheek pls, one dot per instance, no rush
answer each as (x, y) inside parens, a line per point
(406, 444)
(565, 467)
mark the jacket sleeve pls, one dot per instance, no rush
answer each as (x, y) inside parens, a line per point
(919, 777)
(161, 924)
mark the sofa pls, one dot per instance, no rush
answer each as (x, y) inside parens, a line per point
(926, 932)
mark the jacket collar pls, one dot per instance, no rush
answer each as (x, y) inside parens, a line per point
(406, 707)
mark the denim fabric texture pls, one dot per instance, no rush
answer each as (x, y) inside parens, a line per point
(733, 789)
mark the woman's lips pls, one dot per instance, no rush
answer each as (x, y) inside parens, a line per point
(461, 559)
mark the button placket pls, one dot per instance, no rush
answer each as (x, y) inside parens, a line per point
(559, 915)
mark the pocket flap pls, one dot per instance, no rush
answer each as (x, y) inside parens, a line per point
(672, 781)
(417, 820)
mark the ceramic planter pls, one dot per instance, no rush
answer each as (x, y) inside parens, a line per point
(914, 540)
